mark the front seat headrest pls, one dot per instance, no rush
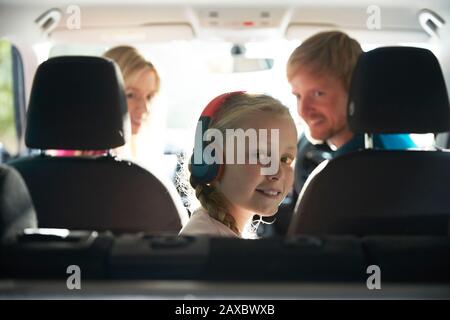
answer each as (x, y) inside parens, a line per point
(77, 102)
(398, 90)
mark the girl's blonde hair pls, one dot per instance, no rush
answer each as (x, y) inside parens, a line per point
(333, 52)
(130, 62)
(231, 114)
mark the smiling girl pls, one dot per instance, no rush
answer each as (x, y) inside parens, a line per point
(238, 192)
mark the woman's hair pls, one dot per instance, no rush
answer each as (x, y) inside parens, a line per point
(130, 62)
(333, 52)
(232, 113)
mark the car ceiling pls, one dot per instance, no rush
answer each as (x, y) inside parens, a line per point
(344, 13)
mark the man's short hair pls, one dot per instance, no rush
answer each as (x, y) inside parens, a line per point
(331, 52)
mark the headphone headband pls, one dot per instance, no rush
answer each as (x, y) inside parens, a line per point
(206, 173)
(215, 104)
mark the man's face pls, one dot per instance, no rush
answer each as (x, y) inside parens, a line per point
(322, 104)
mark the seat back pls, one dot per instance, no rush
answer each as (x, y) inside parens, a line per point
(16, 208)
(374, 192)
(99, 194)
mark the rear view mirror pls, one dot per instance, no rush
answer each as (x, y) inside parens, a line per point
(243, 64)
(236, 61)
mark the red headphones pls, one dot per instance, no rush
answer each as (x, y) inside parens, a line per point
(203, 172)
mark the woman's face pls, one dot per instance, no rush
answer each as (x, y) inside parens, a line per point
(140, 89)
(250, 192)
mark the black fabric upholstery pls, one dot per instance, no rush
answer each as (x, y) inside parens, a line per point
(375, 192)
(77, 103)
(406, 259)
(307, 158)
(16, 207)
(398, 90)
(98, 194)
(283, 260)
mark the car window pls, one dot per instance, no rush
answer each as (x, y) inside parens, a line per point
(11, 100)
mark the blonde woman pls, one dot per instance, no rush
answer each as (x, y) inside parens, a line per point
(236, 192)
(141, 82)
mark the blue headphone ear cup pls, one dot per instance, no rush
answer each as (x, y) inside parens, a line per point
(212, 172)
(204, 173)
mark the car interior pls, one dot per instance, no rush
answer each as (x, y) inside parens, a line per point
(370, 214)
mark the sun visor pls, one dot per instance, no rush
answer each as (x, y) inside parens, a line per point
(376, 37)
(111, 36)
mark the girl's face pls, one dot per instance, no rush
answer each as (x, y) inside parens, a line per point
(140, 90)
(245, 188)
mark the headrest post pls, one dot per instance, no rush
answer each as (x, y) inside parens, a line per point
(368, 140)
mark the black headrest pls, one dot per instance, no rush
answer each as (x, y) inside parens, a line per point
(77, 103)
(398, 90)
